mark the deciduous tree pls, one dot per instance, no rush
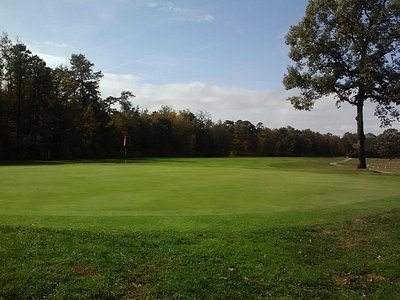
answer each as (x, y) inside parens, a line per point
(351, 49)
(389, 143)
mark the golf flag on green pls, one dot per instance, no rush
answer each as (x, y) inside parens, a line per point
(124, 145)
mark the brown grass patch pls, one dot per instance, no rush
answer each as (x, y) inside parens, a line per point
(79, 270)
(355, 233)
(341, 280)
(201, 236)
(351, 241)
(83, 271)
(390, 215)
(373, 278)
(325, 232)
(136, 290)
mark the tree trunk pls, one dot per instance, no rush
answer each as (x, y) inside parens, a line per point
(362, 163)
(19, 103)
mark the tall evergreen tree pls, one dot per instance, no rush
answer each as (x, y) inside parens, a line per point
(86, 80)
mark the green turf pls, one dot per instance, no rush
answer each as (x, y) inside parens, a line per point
(205, 228)
(187, 187)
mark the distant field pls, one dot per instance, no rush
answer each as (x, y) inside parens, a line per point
(385, 165)
(207, 228)
(382, 165)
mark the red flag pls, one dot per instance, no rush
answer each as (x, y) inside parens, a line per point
(124, 144)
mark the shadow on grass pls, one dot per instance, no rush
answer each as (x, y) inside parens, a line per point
(342, 260)
(138, 160)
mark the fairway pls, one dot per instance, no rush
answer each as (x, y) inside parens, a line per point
(177, 216)
(187, 187)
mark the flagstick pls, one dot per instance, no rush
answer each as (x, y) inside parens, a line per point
(124, 145)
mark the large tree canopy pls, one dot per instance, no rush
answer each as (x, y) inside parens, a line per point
(349, 48)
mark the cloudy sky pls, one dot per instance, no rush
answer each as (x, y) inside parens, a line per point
(224, 57)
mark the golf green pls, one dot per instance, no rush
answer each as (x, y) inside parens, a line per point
(174, 190)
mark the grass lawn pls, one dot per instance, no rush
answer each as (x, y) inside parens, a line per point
(199, 228)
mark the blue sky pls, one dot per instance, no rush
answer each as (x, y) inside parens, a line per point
(224, 57)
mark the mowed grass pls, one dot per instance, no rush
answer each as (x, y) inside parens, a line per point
(198, 228)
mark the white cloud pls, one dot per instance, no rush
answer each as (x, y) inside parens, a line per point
(206, 18)
(53, 53)
(54, 44)
(53, 61)
(113, 85)
(152, 4)
(49, 46)
(179, 13)
(233, 103)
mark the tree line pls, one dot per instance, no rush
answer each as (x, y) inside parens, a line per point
(59, 113)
